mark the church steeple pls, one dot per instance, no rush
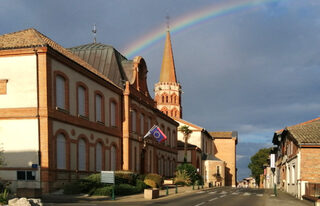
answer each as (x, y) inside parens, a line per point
(168, 70)
(168, 90)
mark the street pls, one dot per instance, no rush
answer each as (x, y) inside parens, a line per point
(223, 196)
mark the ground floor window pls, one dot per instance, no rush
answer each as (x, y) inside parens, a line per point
(26, 175)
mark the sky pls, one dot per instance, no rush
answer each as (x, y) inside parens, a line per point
(254, 70)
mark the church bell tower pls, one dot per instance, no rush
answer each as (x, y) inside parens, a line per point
(168, 90)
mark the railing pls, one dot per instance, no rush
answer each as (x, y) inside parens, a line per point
(313, 190)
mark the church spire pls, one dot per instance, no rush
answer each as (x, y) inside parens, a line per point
(168, 71)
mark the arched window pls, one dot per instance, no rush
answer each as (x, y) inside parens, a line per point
(82, 155)
(99, 108)
(167, 99)
(61, 92)
(162, 99)
(150, 161)
(113, 114)
(61, 151)
(82, 101)
(134, 120)
(98, 156)
(142, 124)
(113, 158)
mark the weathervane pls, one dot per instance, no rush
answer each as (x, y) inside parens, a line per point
(168, 22)
(94, 31)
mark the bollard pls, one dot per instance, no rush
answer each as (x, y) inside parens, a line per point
(275, 190)
(176, 189)
(167, 190)
(113, 198)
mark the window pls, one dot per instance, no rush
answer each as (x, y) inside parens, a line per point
(82, 155)
(82, 101)
(99, 108)
(149, 123)
(150, 161)
(26, 175)
(98, 157)
(113, 114)
(293, 175)
(113, 155)
(3, 86)
(60, 92)
(61, 151)
(134, 121)
(167, 99)
(142, 124)
(162, 99)
(218, 170)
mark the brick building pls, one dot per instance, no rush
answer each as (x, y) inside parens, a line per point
(298, 156)
(225, 144)
(65, 114)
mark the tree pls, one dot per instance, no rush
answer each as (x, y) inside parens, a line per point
(257, 162)
(186, 134)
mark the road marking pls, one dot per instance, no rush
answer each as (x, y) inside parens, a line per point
(200, 204)
(259, 195)
(246, 194)
(223, 192)
(213, 199)
(212, 192)
(222, 196)
(201, 192)
(235, 193)
(272, 195)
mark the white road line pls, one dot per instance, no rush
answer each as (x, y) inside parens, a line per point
(201, 192)
(235, 193)
(246, 194)
(213, 199)
(200, 204)
(222, 195)
(259, 195)
(212, 192)
(223, 192)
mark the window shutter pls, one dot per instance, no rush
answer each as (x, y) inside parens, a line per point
(61, 152)
(113, 114)
(82, 155)
(81, 101)
(98, 108)
(98, 157)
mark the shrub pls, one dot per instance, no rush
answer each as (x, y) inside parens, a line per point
(72, 188)
(153, 180)
(191, 172)
(182, 178)
(141, 185)
(125, 189)
(4, 197)
(125, 177)
(103, 191)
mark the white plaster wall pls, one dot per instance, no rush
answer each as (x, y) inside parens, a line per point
(21, 73)
(19, 140)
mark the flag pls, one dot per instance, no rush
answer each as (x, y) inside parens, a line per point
(157, 133)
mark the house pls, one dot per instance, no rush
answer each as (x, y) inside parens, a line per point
(66, 114)
(225, 145)
(298, 157)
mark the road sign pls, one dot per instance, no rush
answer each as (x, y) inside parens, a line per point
(107, 177)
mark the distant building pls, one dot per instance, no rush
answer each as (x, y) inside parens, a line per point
(225, 144)
(298, 157)
(68, 113)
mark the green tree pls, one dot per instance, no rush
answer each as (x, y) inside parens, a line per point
(257, 162)
(186, 134)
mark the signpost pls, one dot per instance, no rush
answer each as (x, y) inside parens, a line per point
(108, 177)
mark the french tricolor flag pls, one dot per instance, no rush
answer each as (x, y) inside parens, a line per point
(157, 133)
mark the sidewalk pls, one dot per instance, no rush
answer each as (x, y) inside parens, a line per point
(128, 198)
(284, 199)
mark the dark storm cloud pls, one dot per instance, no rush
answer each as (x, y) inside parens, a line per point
(254, 71)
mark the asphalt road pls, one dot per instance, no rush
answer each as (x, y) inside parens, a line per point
(217, 196)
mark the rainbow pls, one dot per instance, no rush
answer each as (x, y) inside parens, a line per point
(197, 17)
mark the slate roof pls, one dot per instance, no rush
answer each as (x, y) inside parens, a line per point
(30, 38)
(106, 60)
(307, 132)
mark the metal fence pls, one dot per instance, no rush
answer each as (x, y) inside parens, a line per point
(313, 189)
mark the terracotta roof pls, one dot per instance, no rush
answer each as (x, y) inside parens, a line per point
(168, 71)
(32, 38)
(306, 132)
(180, 144)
